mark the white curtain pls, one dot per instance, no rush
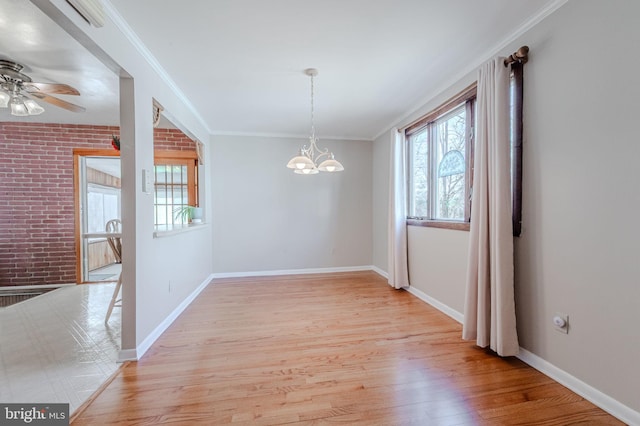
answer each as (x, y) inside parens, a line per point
(489, 311)
(397, 232)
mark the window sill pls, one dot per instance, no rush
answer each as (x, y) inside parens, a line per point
(458, 226)
(168, 230)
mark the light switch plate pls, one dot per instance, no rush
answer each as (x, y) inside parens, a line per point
(147, 181)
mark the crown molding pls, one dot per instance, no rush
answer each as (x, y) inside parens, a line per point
(128, 32)
(289, 136)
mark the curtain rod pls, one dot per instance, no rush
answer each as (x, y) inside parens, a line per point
(521, 56)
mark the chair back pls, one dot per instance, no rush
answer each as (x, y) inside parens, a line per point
(115, 226)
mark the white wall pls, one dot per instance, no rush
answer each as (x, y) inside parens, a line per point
(148, 262)
(266, 218)
(437, 263)
(579, 250)
(380, 211)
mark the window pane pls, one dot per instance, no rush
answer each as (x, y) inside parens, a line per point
(171, 193)
(438, 145)
(111, 210)
(177, 195)
(450, 170)
(95, 211)
(419, 182)
(161, 194)
(179, 174)
(161, 215)
(161, 176)
(167, 211)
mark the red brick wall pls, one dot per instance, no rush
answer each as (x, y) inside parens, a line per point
(172, 140)
(37, 226)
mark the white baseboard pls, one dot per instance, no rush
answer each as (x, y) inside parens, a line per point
(379, 271)
(291, 272)
(608, 404)
(591, 394)
(436, 304)
(127, 355)
(142, 348)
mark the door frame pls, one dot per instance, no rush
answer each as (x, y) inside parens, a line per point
(77, 153)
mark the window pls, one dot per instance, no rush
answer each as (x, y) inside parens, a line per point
(103, 204)
(440, 147)
(176, 186)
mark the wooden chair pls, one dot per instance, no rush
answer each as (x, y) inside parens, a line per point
(115, 226)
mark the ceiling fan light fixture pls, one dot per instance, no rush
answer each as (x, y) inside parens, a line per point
(17, 90)
(32, 107)
(4, 99)
(18, 108)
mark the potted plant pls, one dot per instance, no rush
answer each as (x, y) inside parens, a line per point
(115, 142)
(196, 215)
(188, 214)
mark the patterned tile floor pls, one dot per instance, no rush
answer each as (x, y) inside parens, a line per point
(56, 348)
(109, 272)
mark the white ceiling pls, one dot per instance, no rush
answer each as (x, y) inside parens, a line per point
(241, 62)
(50, 55)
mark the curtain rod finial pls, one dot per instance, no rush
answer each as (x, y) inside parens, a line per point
(523, 53)
(521, 56)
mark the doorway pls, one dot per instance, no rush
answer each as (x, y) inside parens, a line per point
(98, 200)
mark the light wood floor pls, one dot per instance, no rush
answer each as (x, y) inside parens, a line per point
(324, 349)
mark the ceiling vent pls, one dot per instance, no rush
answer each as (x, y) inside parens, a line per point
(91, 10)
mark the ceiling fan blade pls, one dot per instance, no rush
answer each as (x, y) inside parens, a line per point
(61, 89)
(58, 102)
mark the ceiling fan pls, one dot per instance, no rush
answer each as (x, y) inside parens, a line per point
(17, 90)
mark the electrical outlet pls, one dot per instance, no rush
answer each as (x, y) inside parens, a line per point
(561, 322)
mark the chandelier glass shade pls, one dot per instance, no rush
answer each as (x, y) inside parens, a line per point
(4, 99)
(20, 105)
(308, 161)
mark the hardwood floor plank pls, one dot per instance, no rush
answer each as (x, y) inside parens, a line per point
(326, 349)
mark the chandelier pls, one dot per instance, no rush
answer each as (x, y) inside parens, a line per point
(307, 162)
